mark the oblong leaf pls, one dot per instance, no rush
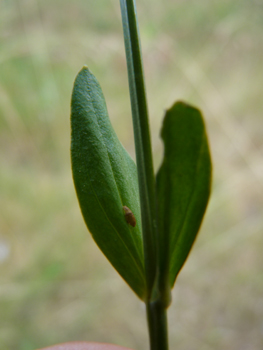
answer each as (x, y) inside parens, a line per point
(183, 185)
(105, 179)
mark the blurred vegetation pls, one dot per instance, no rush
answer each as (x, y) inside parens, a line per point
(55, 285)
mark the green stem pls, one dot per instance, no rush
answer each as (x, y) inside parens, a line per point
(156, 312)
(157, 325)
(142, 138)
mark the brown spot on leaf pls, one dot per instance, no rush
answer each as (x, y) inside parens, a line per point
(129, 216)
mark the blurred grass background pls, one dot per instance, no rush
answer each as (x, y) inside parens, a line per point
(55, 285)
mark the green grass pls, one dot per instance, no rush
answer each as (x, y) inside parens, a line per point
(55, 285)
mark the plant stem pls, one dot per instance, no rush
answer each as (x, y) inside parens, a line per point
(157, 325)
(156, 312)
(142, 138)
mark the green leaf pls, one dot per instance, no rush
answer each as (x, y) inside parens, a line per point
(183, 186)
(105, 179)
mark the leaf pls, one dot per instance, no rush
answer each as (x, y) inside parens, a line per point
(105, 179)
(183, 185)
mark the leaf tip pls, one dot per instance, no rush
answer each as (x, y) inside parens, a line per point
(182, 104)
(85, 68)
